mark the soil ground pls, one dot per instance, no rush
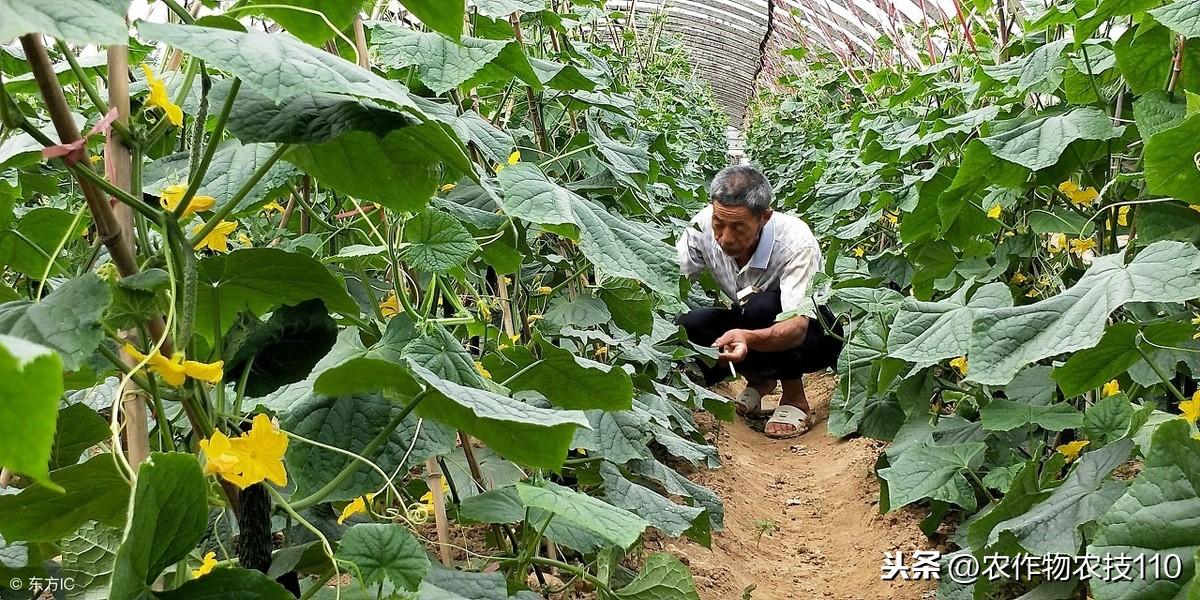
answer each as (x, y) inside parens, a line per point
(817, 499)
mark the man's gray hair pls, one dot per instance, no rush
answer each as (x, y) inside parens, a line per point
(742, 185)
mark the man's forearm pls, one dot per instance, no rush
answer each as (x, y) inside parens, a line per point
(783, 335)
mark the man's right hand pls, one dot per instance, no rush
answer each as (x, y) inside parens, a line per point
(733, 346)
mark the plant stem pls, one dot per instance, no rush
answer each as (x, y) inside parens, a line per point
(1161, 375)
(242, 192)
(582, 573)
(214, 140)
(367, 451)
(180, 12)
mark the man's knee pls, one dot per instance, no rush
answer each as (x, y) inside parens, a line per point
(702, 324)
(761, 308)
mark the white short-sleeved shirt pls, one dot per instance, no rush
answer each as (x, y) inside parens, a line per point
(786, 258)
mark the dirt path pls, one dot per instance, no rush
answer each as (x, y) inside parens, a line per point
(823, 497)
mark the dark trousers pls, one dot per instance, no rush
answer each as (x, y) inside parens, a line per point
(818, 351)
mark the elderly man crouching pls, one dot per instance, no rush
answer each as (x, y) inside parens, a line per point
(764, 262)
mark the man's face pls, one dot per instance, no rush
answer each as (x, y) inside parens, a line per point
(736, 228)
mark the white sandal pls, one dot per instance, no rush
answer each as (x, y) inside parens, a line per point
(788, 415)
(749, 403)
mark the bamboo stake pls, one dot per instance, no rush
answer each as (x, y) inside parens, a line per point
(118, 162)
(360, 42)
(506, 315)
(434, 480)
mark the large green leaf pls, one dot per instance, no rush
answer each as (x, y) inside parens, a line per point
(278, 66)
(26, 244)
(67, 320)
(563, 76)
(504, 505)
(927, 332)
(624, 161)
(232, 166)
(297, 16)
(384, 170)
(1155, 519)
(92, 491)
(1041, 70)
(666, 516)
(616, 525)
(350, 423)
(78, 429)
(1170, 169)
(1182, 16)
(1005, 340)
(1052, 526)
(616, 245)
(677, 485)
(167, 518)
(1037, 142)
(920, 472)
(663, 577)
(618, 436)
(1093, 367)
(575, 382)
(304, 118)
(1006, 415)
(1145, 55)
(527, 434)
(229, 583)
(1154, 112)
(497, 9)
(385, 551)
(443, 65)
(1108, 419)
(445, 16)
(440, 352)
(79, 21)
(88, 555)
(30, 386)
(438, 242)
(257, 280)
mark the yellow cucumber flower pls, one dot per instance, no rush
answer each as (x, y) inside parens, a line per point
(206, 567)
(449, 187)
(1072, 450)
(217, 240)
(160, 99)
(176, 370)
(960, 365)
(1079, 196)
(273, 207)
(1057, 243)
(1111, 388)
(1123, 216)
(1190, 409)
(246, 460)
(427, 499)
(513, 159)
(482, 371)
(994, 211)
(544, 290)
(173, 194)
(357, 505)
(859, 251)
(1079, 246)
(390, 306)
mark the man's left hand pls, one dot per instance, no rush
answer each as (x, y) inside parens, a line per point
(734, 345)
